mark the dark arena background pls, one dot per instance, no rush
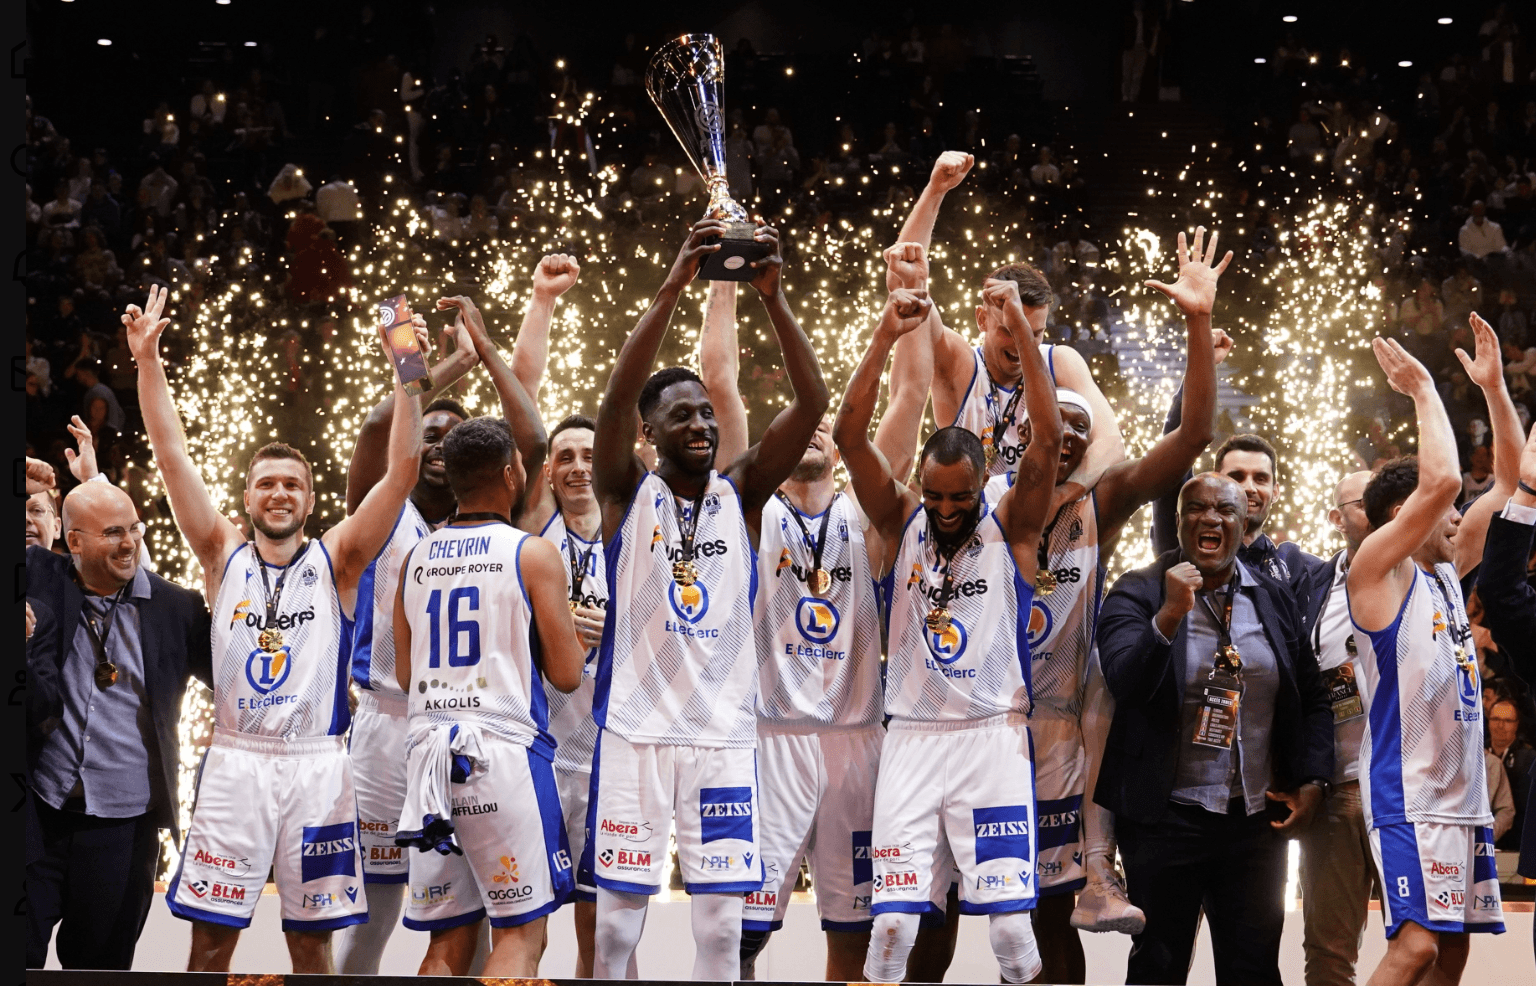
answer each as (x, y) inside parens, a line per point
(281, 167)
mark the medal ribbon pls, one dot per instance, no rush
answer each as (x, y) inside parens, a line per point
(686, 530)
(1223, 625)
(1041, 553)
(578, 564)
(947, 588)
(1459, 630)
(106, 671)
(817, 546)
(274, 594)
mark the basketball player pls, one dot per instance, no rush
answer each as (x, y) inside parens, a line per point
(976, 388)
(481, 616)
(276, 786)
(956, 780)
(677, 673)
(1424, 790)
(819, 715)
(377, 741)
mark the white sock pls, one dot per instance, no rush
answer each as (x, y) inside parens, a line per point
(620, 920)
(889, 946)
(717, 936)
(1013, 942)
(359, 947)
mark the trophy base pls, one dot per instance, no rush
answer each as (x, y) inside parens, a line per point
(733, 261)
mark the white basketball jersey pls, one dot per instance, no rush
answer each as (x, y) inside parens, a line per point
(373, 638)
(818, 659)
(984, 405)
(678, 664)
(1423, 743)
(570, 714)
(299, 690)
(979, 666)
(474, 649)
(1060, 624)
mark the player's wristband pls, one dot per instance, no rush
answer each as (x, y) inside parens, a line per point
(1525, 487)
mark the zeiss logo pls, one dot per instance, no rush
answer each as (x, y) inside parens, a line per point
(725, 813)
(1058, 821)
(863, 867)
(328, 850)
(1002, 833)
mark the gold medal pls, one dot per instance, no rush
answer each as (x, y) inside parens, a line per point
(106, 674)
(1045, 582)
(938, 619)
(991, 456)
(270, 640)
(573, 605)
(819, 582)
(685, 572)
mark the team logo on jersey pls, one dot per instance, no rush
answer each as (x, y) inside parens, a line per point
(1002, 833)
(1438, 623)
(242, 610)
(508, 872)
(725, 813)
(947, 645)
(309, 577)
(712, 503)
(817, 619)
(784, 562)
(1041, 622)
(689, 602)
(1074, 530)
(267, 671)
(328, 850)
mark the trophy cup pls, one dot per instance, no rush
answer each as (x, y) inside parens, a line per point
(685, 79)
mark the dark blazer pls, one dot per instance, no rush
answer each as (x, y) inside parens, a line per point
(1146, 678)
(174, 638)
(1509, 613)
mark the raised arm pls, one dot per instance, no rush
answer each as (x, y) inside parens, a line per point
(209, 533)
(517, 407)
(1487, 371)
(719, 352)
(948, 172)
(1509, 602)
(370, 456)
(1132, 482)
(616, 469)
(767, 464)
(911, 369)
(402, 629)
(883, 497)
(1372, 573)
(359, 537)
(553, 277)
(1022, 510)
(1165, 508)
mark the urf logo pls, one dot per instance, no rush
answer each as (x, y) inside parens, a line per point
(242, 609)
(689, 602)
(267, 671)
(1467, 674)
(1041, 623)
(817, 619)
(947, 645)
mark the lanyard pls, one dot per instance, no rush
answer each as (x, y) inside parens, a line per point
(947, 588)
(106, 671)
(819, 544)
(274, 593)
(1001, 425)
(1459, 630)
(1227, 658)
(578, 564)
(687, 526)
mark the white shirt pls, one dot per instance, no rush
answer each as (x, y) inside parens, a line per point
(1481, 240)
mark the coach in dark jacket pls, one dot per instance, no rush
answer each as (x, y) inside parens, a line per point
(1183, 643)
(108, 664)
(1509, 604)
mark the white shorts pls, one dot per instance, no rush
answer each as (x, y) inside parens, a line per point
(515, 866)
(575, 787)
(265, 802)
(641, 788)
(377, 746)
(818, 799)
(1061, 765)
(1441, 877)
(968, 786)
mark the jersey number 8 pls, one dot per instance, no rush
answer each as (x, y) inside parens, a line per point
(457, 628)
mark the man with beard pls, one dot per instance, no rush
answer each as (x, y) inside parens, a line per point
(275, 789)
(1424, 790)
(819, 716)
(377, 740)
(956, 785)
(677, 679)
(1219, 709)
(977, 388)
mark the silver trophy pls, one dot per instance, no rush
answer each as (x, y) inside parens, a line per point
(685, 79)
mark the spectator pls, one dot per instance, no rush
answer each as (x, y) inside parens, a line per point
(1045, 175)
(1138, 33)
(1480, 235)
(1422, 312)
(767, 135)
(1462, 294)
(913, 51)
(159, 188)
(1478, 479)
(98, 405)
(1304, 139)
(62, 210)
(1516, 757)
(1519, 364)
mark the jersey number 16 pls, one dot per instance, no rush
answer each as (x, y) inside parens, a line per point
(465, 629)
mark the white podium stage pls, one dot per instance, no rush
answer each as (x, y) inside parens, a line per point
(798, 952)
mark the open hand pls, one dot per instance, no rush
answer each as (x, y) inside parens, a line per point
(908, 265)
(686, 267)
(1405, 374)
(468, 326)
(1195, 290)
(145, 325)
(1487, 369)
(1303, 802)
(555, 274)
(766, 280)
(950, 170)
(82, 464)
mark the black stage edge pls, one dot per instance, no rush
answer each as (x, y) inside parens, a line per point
(58, 977)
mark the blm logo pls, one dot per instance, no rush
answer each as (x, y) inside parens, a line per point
(1002, 833)
(725, 813)
(329, 850)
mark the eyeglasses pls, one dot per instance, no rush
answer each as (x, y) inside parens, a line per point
(115, 535)
(1348, 502)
